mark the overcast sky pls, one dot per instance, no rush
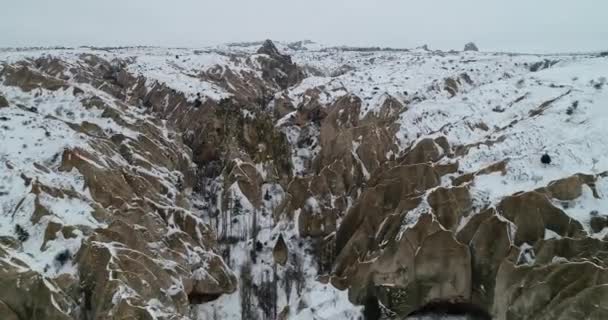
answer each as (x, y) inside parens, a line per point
(509, 25)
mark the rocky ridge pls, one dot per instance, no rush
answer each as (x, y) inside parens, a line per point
(286, 182)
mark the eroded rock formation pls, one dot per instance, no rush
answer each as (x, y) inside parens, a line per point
(148, 185)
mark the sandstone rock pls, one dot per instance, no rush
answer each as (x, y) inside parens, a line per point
(283, 106)
(541, 65)
(280, 251)
(489, 246)
(29, 295)
(451, 85)
(279, 68)
(316, 224)
(598, 223)
(27, 79)
(426, 150)
(284, 314)
(438, 250)
(404, 236)
(410, 265)
(496, 167)
(470, 47)
(556, 291)
(3, 102)
(7, 313)
(532, 213)
(51, 230)
(385, 193)
(212, 280)
(450, 205)
(570, 188)
(249, 181)
(466, 234)
(572, 250)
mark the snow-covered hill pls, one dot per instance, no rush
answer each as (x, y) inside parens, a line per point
(300, 181)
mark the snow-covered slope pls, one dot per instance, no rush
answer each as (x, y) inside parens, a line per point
(304, 169)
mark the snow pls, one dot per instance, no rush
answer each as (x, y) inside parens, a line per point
(327, 303)
(321, 301)
(181, 74)
(313, 205)
(500, 105)
(404, 75)
(31, 148)
(577, 143)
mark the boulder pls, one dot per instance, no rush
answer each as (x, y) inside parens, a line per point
(211, 280)
(570, 188)
(470, 47)
(598, 223)
(532, 213)
(572, 250)
(27, 294)
(278, 67)
(3, 102)
(280, 251)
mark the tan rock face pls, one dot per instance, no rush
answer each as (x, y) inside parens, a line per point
(550, 291)
(598, 223)
(3, 102)
(437, 251)
(249, 181)
(407, 227)
(450, 205)
(278, 68)
(146, 246)
(454, 252)
(496, 167)
(280, 252)
(532, 213)
(405, 261)
(28, 295)
(7, 312)
(28, 79)
(489, 246)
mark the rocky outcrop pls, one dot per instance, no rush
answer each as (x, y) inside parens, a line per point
(120, 206)
(28, 295)
(277, 67)
(541, 65)
(563, 282)
(380, 257)
(598, 223)
(27, 79)
(3, 102)
(570, 188)
(532, 213)
(280, 252)
(161, 186)
(470, 47)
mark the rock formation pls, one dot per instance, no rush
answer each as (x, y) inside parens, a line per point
(470, 47)
(278, 182)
